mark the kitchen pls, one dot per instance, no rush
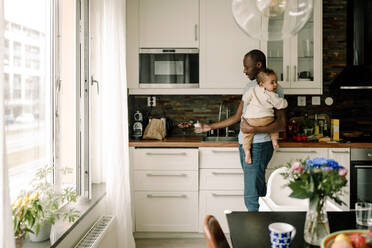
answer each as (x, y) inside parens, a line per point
(184, 67)
(189, 105)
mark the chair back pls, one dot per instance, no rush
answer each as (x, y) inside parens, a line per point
(279, 192)
(213, 233)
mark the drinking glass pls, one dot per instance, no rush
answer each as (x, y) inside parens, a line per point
(363, 213)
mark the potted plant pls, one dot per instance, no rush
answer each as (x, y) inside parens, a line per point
(26, 210)
(51, 202)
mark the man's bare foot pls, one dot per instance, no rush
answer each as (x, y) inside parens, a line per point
(248, 158)
(275, 144)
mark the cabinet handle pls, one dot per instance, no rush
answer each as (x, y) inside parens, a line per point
(294, 73)
(166, 154)
(219, 195)
(166, 196)
(340, 151)
(196, 32)
(224, 151)
(296, 151)
(287, 80)
(364, 166)
(166, 175)
(227, 173)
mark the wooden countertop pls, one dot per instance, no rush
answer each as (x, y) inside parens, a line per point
(196, 142)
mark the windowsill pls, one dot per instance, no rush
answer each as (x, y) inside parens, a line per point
(61, 229)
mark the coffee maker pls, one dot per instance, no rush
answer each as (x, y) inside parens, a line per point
(137, 125)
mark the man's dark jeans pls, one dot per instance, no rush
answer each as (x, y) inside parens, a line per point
(254, 174)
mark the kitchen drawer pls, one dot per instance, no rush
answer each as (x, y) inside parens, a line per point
(165, 159)
(166, 180)
(216, 202)
(221, 179)
(218, 157)
(166, 211)
(284, 155)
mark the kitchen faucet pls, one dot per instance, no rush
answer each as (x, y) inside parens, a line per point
(223, 104)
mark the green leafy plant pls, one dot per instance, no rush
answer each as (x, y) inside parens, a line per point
(26, 210)
(51, 200)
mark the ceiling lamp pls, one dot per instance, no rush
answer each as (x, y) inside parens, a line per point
(271, 19)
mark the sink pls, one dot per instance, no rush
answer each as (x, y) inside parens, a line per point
(220, 139)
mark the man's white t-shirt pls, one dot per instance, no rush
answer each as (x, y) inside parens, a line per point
(258, 137)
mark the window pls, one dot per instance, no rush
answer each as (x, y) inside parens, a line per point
(29, 91)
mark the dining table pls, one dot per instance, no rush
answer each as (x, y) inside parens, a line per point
(250, 229)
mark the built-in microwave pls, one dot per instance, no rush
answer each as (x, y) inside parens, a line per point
(169, 68)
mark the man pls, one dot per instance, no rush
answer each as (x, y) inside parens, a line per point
(262, 148)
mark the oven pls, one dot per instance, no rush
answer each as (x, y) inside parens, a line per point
(169, 68)
(360, 175)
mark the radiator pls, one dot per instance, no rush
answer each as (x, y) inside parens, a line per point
(95, 237)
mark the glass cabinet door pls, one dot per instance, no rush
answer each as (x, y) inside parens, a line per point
(276, 54)
(306, 50)
(305, 54)
(297, 60)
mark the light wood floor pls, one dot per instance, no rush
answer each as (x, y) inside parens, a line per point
(171, 243)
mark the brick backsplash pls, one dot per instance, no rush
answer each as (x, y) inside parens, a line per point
(205, 108)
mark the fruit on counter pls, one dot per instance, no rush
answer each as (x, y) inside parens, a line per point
(299, 138)
(343, 237)
(341, 244)
(358, 240)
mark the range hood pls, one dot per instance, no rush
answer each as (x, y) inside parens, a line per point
(357, 75)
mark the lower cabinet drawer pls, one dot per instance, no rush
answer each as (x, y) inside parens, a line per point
(219, 157)
(166, 211)
(166, 180)
(225, 179)
(216, 202)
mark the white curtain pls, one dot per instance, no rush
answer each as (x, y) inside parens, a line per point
(110, 117)
(6, 230)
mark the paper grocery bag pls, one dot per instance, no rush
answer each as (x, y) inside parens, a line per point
(155, 130)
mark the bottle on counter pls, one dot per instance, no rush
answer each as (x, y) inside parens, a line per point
(197, 127)
(325, 130)
(316, 126)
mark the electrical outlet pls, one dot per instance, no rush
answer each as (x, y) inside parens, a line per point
(315, 100)
(301, 101)
(151, 101)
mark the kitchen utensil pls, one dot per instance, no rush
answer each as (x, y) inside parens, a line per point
(137, 125)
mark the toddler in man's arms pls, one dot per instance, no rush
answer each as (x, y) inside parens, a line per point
(261, 101)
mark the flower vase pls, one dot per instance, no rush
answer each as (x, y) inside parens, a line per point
(316, 223)
(19, 241)
(44, 233)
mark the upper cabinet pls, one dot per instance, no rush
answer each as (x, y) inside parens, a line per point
(222, 47)
(210, 26)
(169, 23)
(298, 60)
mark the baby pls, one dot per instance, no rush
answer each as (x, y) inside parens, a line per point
(261, 101)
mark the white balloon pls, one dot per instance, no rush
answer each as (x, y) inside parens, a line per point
(271, 19)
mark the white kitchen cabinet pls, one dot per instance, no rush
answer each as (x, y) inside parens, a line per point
(222, 47)
(219, 157)
(215, 202)
(221, 184)
(166, 211)
(169, 23)
(298, 60)
(342, 156)
(165, 182)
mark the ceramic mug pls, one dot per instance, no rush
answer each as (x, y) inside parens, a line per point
(281, 234)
